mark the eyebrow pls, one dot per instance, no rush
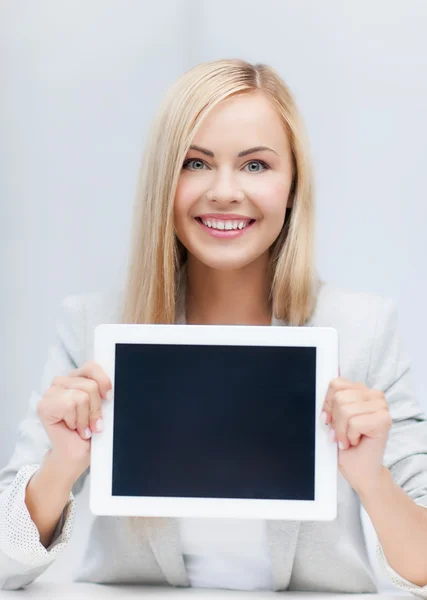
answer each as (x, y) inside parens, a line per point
(243, 153)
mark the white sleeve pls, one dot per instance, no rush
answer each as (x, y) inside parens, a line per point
(396, 579)
(19, 536)
(22, 556)
(406, 450)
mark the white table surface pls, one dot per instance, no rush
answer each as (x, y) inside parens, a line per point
(87, 591)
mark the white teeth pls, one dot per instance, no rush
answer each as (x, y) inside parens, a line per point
(224, 225)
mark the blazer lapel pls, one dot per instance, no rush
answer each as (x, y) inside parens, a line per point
(163, 536)
(282, 539)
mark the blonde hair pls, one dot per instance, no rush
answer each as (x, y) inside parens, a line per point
(156, 255)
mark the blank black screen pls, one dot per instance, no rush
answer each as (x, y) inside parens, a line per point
(214, 421)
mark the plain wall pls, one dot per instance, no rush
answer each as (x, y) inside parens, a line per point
(80, 82)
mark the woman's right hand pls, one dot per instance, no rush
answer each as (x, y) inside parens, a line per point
(70, 410)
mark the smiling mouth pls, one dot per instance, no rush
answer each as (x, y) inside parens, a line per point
(225, 224)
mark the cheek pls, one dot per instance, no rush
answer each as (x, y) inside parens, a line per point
(272, 198)
(186, 196)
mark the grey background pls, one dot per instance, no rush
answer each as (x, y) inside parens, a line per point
(80, 82)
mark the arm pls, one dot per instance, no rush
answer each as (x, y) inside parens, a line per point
(388, 503)
(23, 556)
(396, 506)
(382, 438)
(46, 496)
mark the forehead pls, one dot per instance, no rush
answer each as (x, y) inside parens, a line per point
(242, 121)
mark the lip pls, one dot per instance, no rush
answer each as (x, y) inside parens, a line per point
(225, 233)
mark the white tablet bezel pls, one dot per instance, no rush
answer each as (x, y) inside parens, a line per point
(324, 507)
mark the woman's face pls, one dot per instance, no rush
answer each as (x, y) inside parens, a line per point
(233, 191)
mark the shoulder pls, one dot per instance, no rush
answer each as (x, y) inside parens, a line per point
(79, 314)
(94, 308)
(344, 308)
(366, 324)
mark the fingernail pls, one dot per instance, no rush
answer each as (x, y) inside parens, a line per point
(109, 395)
(340, 445)
(332, 435)
(88, 433)
(99, 425)
(324, 417)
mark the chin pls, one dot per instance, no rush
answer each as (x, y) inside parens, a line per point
(227, 262)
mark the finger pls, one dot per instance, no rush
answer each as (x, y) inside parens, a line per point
(325, 417)
(56, 406)
(375, 424)
(93, 370)
(337, 385)
(346, 397)
(82, 403)
(346, 412)
(91, 387)
(343, 398)
(69, 414)
(354, 438)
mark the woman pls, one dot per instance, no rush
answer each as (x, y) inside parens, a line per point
(224, 235)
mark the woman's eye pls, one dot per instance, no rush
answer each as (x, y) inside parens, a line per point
(256, 166)
(194, 164)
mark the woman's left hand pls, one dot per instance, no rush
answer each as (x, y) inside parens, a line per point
(359, 420)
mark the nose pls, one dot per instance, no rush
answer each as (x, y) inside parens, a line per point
(225, 190)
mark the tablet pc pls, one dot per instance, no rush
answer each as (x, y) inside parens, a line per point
(215, 421)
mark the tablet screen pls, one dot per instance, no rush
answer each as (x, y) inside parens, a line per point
(207, 421)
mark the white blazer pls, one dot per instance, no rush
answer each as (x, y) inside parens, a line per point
(319, 556)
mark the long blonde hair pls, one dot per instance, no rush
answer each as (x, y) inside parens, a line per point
(156, 255)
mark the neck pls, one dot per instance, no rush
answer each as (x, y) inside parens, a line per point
(238, 297)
